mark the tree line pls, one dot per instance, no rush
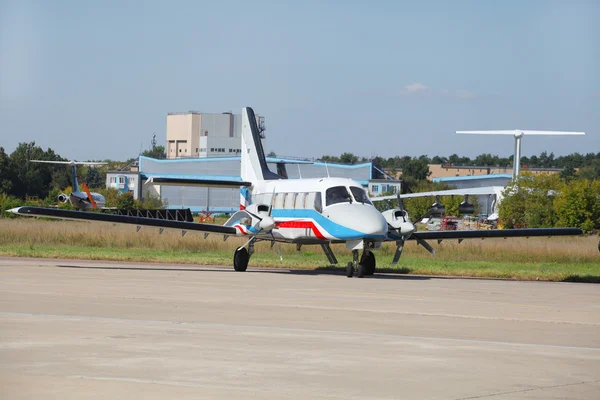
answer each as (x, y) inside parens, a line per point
(588, 165)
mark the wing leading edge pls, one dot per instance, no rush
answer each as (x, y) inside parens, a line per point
(122, 219)
(496, 233)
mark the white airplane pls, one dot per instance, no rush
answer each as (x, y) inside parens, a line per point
(85, 200)
(299, 211)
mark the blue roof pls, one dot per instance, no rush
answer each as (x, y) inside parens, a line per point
(146, 175)
(472, 178)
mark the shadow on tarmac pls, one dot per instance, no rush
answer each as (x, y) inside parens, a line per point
(328, 270)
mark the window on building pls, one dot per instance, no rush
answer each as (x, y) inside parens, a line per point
(180, 150)
(212, 149)
(375, 188)
(112, 179)
(131, 181)
(121, 179)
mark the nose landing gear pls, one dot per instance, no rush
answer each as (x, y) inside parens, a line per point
(366, 266)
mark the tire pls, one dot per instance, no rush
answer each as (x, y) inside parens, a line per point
(350, 270)
(240, 259)
(368, 262)
(361, 271)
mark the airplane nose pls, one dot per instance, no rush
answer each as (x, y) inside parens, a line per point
(362, 220)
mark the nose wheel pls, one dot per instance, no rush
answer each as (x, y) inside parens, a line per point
(366, 266)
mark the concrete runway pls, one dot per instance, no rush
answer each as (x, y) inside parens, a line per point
(99, 330)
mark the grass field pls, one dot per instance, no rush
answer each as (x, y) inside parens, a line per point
(557, 259)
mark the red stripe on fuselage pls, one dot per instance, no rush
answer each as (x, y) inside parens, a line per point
(301, 224)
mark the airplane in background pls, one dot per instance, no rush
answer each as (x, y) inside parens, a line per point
(318, 211)
(85, 200)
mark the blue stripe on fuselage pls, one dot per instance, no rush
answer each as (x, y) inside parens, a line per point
(332, 228)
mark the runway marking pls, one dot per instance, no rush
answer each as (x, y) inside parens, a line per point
(299, 330)
(526, 390)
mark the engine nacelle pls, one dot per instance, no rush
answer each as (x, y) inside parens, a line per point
(466, 208)
(266, 222)
(63, 198)
(437, 209)
(398, 220)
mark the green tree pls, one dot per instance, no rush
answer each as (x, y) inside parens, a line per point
(125, 201)
(528, 202)
(93, 178)
(590, 171)
(348, 158)
(5, 172)
(578, 205)
(32, 179)
(157, 152)
(416, 168)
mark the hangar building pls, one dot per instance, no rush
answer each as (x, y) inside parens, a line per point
(225, 200)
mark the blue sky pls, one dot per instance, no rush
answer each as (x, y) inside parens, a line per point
(95, 80)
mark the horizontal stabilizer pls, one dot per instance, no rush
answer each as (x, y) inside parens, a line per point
(520, 132)
(216, 183)
(70, 162)
(121, 219)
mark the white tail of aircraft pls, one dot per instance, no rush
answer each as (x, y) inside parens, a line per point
(253, 161)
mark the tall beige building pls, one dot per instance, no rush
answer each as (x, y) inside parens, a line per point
(200, 135)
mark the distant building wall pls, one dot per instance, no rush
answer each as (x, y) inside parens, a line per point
(124, 182)
(442, 170)
(205, 135)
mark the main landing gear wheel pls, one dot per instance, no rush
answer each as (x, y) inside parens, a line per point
(360, 271)
(368, 263)
(240, 259)
(350, 270)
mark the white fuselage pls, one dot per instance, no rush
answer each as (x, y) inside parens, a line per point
(317, 210)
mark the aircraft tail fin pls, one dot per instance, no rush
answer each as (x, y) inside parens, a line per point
(253, 163)
(74, 181)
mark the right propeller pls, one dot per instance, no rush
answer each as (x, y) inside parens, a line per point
(406, 228)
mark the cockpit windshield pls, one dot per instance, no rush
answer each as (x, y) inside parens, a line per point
(360, 195)
(337, 194)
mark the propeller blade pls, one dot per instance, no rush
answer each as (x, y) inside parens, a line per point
(272, 201)
(400, 203)
(277, 245)
(400, 244)
(424, 244)
(258, 217)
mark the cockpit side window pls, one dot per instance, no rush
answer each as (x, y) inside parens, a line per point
(360, 195)
(337, 194)
(318, 205)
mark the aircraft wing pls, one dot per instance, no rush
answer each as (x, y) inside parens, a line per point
(208, 182)
(494, 233)
(121, 219)
(497, 190)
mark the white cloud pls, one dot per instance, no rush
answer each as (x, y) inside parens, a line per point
(415, 87)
